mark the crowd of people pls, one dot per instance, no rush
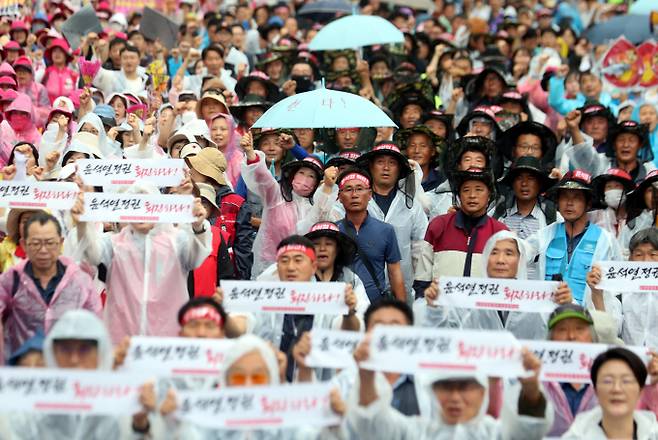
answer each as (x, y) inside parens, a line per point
(512, 158)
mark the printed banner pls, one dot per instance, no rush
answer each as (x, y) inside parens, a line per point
(69, 391)
(249, 408)
(284, 297)
(570, 361)
(628, 276)
(332, 348)
(626, 65)
(137, 208)
(176, 356)
(160, 172)
(414, 350)
(497, 294)
(38, 195)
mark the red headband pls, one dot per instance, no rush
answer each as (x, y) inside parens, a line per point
(204, 312)
(309, 251)
(354, 176)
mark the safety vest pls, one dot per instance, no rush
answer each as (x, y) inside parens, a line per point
(573, 272)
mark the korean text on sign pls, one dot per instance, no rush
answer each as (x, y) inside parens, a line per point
(137, 208)
(38, 195)
(284, 297)
(628, 276)
(160, 172)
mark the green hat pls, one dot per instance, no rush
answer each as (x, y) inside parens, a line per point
(567, 311)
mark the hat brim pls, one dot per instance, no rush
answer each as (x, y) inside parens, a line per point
(552, 192)
(545, 182)
(241, 87)
(566, 315)
(509, 138)
(346, 246)
(364, 161)
(203, 167)
(288, 170)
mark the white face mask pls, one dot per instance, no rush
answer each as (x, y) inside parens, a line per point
(613, 197)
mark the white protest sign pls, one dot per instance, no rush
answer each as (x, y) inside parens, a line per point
(498, 294)
(161, 172)
(284, 297)
(69, 391)
(570, 361)
(411, 350)
(332, 348)
(38, 195)
(269, 407)
(628, 276)
(136, 208)
(176, 356)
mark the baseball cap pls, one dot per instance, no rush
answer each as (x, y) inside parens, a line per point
(567, 311)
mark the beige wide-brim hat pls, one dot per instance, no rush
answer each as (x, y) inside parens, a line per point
(210, 162)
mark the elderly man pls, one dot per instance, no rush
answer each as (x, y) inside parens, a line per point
(37, 291)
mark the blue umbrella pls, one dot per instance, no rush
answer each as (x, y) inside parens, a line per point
(356, 31)
(635, 28)
(324, 108)
(643, 7)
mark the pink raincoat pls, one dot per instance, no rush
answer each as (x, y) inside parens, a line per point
(539, 98)
(280, 218)
(563, 417)
(39, 96)
(232, 153)
(59, 82)
(26, 311)
(23, 103)
(147, 276)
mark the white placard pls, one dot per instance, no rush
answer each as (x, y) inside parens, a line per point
(160, 172)
(176, 356)
(413, 350)
(571, 361)
(628, 276)
(137, 208)
(332, 348)
(269, 407)
(284, 297)
(498, 294)
(38, 195)
(69, 391)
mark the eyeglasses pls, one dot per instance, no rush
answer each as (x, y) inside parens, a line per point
(624, 382)
(528, 148)
(50, 245)
(241, 379)
(359, 190)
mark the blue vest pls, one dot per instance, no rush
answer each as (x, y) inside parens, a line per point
(575, 271)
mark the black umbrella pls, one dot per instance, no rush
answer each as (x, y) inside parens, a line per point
(635, 28)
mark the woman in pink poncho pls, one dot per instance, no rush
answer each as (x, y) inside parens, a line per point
(59, 79)
(20, 116)
(222, 132)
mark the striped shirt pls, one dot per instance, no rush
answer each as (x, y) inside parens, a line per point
(525, 226)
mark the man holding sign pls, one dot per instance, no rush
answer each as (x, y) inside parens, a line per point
(147, 265)
(504, 257)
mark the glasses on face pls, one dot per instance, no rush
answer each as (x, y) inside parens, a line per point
(242, 379)
(610, 382)
(50, 244)
(527, 148)
(359, 190)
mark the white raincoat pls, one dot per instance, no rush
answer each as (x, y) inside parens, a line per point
(523, 325)
(146, 286)
(642, 221)
(380, 421)
(587, 426)
(244, 345)
(74, 324)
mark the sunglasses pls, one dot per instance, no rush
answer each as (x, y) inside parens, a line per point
(241, 379)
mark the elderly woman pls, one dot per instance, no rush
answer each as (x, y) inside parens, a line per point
(618, 376)
(504, 256)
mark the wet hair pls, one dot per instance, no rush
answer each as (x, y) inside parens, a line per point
(117, 41)
(212, 48)
(202, 301)
(645, 236)
(42, 218)
(35, 152)
(393, 303)
(622, 354)
(296, 239)
(130, 48)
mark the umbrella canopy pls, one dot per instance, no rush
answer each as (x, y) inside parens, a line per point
(635, 28)
(356, 31)
(643, 7)
(324, 108)
(326, 7)
(423, 5)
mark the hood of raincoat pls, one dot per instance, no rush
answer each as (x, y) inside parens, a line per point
(7, 70)
(430, 378)
(246, 344)
(522, 272)
(80, 324)
(105, 144)
(233, 141)
(22, 103)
